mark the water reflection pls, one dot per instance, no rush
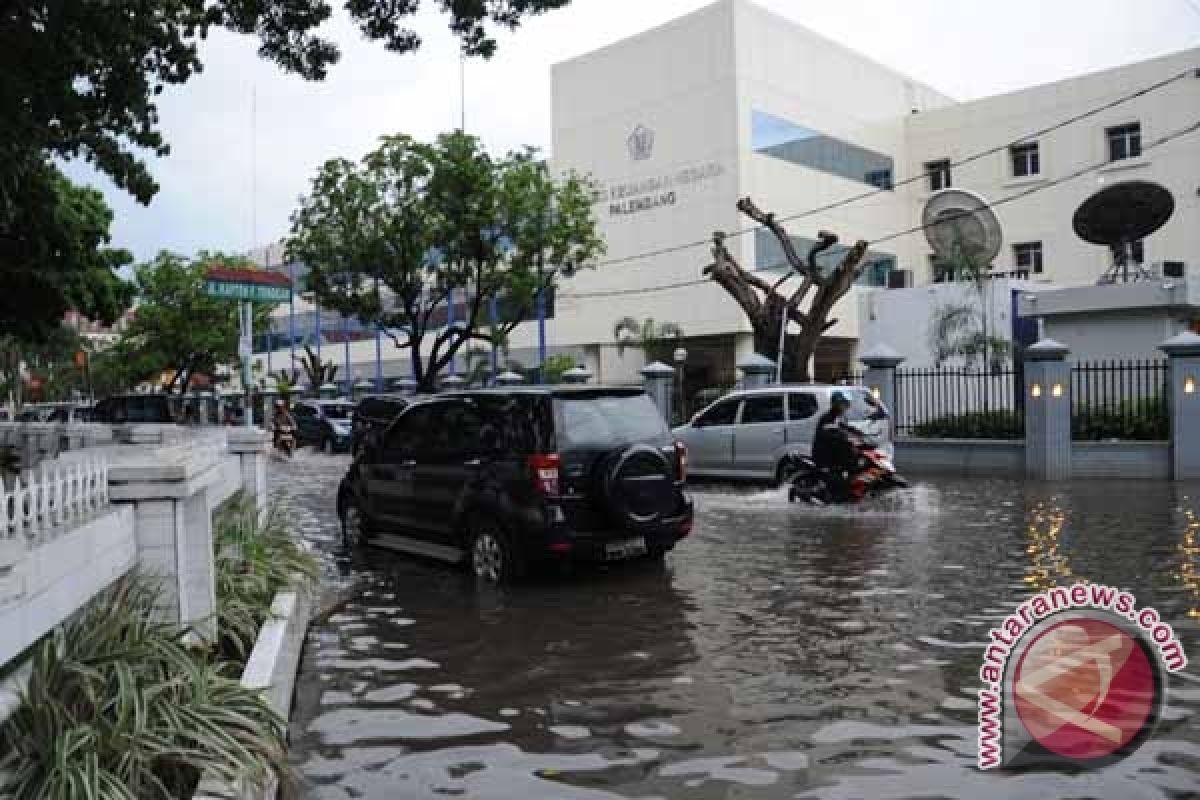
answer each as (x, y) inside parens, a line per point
(785, 652)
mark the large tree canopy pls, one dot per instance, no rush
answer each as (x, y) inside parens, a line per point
(53, 257)
(390, 240)
(78, 79)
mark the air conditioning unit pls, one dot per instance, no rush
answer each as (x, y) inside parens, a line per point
(1172, 269)
(900, 279)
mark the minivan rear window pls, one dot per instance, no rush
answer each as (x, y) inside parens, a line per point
(863, 405)
(609, 421)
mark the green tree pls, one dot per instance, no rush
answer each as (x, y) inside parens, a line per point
(54, 255)
(80, 79)
(391, 239)
(178, 329)
(556, 366)
(654, 339)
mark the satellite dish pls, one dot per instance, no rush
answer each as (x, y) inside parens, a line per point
(958, 223)
(1119, 215)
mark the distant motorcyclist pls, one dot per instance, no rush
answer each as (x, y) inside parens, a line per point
(833, 451)
(283, 425)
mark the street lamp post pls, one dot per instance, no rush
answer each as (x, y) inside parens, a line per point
(680, 355)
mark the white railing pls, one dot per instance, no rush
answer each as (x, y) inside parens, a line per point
(54, 497)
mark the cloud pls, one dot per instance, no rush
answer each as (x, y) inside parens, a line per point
(246, 137)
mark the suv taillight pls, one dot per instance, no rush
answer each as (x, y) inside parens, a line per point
(545, 473)
(681, 459)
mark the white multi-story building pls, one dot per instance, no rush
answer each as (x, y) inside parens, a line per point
(677, 123)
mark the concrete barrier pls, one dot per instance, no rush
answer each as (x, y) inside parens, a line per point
(986, 457)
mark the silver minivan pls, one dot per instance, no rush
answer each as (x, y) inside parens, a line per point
(748, 433)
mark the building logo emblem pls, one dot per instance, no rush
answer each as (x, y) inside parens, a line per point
(640, 143)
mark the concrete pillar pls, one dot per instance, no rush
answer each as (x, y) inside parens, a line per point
(509, 378)
(881, 362)
(251, 446)
(757, 371)
(328, 391)
(743, 346)
(659, 380)
(168, 491)
(1183, 403)
(1047, 411)
(577, 375)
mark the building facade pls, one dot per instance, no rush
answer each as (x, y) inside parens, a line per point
(677, 123)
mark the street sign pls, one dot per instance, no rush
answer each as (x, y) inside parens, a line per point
(248, 285)
(252, 292)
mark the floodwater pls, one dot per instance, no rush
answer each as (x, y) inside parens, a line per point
(783, 652)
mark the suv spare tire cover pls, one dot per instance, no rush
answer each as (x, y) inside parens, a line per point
(639, 487)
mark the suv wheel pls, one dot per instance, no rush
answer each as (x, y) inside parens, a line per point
(354, 524)
(493, 557)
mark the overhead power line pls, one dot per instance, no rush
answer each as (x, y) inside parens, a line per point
(1159, 142)
(1125, 98)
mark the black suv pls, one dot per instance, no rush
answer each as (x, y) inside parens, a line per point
(156, 408)
(506, 478)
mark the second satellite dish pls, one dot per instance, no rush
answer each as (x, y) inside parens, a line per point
(958, 224)
(1119, 215)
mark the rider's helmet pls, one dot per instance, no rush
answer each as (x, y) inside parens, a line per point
(839, 400)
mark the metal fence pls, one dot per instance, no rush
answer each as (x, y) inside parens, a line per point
(959, 403)
(1119, 400)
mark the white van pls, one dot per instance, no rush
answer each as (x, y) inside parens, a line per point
(748, 433)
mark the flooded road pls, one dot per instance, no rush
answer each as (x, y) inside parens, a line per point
(783, 652)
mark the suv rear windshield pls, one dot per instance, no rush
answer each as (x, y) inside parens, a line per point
(608, 421)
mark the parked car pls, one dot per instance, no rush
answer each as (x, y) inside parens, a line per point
(153, 408)
(506, 478)
(324, 423)
(70, 413)
(373, 414)
(748, 434)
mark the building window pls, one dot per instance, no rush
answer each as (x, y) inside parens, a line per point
(939, 174)
(1124, 141)
(881, 178)
(1028, 257)
(780, 138)
(769, 257)
(1026, 160)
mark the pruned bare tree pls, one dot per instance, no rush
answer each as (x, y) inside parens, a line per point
(765, 302)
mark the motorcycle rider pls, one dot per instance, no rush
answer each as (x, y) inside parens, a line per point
(282, 420)
(832, 449)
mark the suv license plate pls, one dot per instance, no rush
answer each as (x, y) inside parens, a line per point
(625, 548)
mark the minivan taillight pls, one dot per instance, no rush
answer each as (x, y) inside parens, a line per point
(681, 459)
(545, 473)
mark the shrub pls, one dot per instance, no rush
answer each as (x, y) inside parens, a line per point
(118, 708)
(973, 425)
(1144, 420)
(256, 557)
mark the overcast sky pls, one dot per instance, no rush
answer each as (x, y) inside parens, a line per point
(966, 48)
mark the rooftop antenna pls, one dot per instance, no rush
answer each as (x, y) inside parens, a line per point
(1119, 215)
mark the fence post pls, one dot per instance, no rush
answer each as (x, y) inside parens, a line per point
(880, 377)
(1047, 411)
(658, 379)
(252, 447)
(1183, 403)
(757, 371)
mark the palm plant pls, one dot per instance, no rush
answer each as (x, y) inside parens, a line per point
(317, 372)
(286, 383)
(647, 335)
(961, 330)
(118, 708)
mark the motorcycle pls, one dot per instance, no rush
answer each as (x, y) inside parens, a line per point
(285, 440)
(874, 474)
